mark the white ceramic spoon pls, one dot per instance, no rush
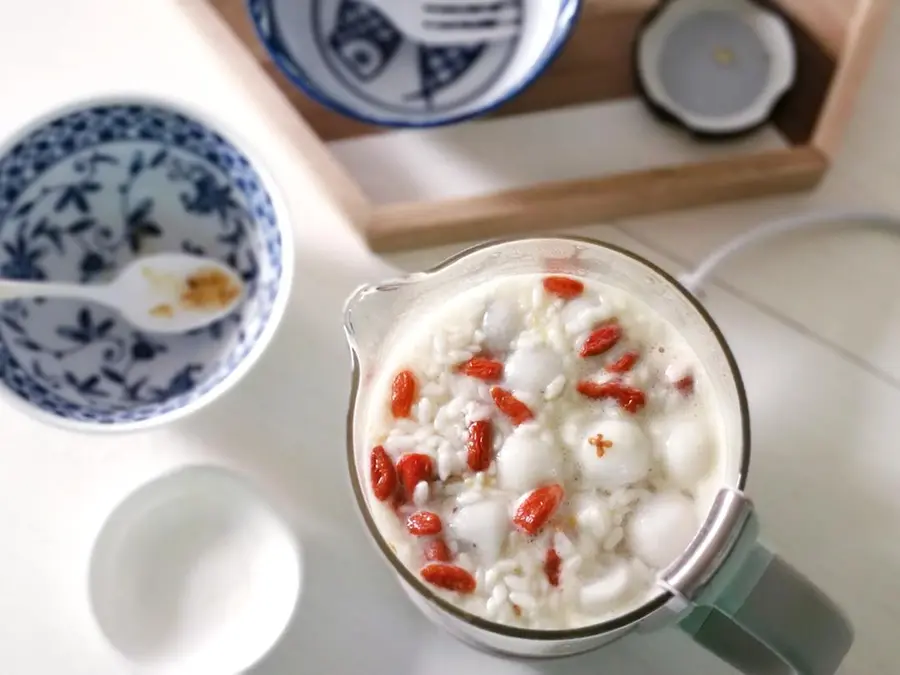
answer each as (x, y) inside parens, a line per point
(165, 293)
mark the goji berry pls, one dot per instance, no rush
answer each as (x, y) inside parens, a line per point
(480, 445)
(424, 523)
(413, 468)
(685, 385)
(630, 399)
(384, 475)
(537, 508)
(437, 550)
(449, 577)
(516, 411)
(601, 340)
(403, 393)
(563, 287)
(591, 389)
(552, 564)
(623, 364)
(482, 368)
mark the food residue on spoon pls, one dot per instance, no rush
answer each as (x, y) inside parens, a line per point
(163, 311)
(209, 289)
(205, 289)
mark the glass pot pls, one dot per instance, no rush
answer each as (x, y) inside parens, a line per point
(727, 591)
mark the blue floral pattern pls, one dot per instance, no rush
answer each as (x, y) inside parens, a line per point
(363, 45)
(85, 194)
(348, 55)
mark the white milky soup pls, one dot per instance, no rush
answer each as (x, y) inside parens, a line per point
(539, 448)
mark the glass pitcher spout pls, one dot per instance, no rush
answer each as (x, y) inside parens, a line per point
(374, 313)
(372, 310)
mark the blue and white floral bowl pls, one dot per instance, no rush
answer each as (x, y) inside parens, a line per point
(349, 56)
(92, 187)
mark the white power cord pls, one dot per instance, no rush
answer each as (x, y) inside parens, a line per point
(699, 277)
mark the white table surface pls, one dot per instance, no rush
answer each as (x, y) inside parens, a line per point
(814, 321)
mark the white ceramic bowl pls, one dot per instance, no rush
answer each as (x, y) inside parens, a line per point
(715, 67)
(84, 191)
(194, 573)
(349, 56)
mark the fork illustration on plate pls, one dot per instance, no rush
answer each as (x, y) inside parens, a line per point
(453, 22)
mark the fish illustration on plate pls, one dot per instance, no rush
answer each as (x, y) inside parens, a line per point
(363, 39)
(441, 67)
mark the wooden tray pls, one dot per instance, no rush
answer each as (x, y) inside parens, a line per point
(835, 41)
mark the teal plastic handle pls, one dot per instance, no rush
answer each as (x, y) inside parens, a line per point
(768, 619)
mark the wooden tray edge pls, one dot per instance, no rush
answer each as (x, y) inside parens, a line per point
(855, 58)
(563, 204)
(409, 225)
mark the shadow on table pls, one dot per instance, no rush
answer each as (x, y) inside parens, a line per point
(823, 472)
